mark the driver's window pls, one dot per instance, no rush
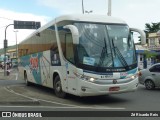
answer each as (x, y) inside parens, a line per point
(69, 48)
(158, 68)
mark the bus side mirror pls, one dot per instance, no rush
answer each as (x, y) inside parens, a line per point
(74, 31)
(142, 33)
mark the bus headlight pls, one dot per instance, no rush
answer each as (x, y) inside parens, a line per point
(86, 78)
(91, 79)
(133, 77)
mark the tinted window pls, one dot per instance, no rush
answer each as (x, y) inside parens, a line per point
(39, 42)
(69, 48)
(155, 68)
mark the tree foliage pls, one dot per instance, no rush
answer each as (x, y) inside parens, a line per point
(149, 54)
(153, 27)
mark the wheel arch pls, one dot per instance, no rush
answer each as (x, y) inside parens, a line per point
(25, 72)
(148, 78)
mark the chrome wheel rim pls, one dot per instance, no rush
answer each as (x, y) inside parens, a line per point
(149, 84)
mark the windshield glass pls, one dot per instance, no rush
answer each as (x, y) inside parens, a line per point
(105, 45)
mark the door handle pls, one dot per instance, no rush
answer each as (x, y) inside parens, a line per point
(153, 74)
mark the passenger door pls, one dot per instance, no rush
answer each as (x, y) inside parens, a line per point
(70, 64)
(155, 73)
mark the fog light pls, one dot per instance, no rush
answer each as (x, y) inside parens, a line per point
(83, 89)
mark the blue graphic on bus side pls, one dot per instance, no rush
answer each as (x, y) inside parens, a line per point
(32, 62)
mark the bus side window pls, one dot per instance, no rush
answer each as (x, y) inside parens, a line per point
(69, 52)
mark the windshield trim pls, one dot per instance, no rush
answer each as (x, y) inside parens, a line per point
(106, 69)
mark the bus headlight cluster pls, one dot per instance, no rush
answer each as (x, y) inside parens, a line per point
(86, 78)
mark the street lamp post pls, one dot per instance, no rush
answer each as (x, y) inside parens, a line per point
(82, 7)
(5, 49)
(16, 44)
(109, 8)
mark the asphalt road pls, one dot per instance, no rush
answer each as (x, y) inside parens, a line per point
(140, 100)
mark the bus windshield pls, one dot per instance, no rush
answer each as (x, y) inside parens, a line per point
(105, 45)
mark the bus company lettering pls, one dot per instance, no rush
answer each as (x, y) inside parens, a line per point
(34, 63)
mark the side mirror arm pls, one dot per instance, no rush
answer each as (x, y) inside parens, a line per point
(142, 33)
(74, 31)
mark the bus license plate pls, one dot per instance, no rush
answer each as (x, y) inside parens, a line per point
(114, 88)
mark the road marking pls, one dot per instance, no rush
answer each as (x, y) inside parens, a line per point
(16, 76)
(11, 91)
(58, 103)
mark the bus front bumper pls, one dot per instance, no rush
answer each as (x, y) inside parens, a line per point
(91, 89)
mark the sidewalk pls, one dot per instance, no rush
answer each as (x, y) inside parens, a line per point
(13, 75)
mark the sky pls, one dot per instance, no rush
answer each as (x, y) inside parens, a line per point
(135, 12)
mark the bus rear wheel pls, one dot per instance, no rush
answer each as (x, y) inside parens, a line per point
(58, 88)
(26, 79)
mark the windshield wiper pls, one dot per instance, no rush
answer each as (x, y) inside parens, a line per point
(103, 53)
(120, 56)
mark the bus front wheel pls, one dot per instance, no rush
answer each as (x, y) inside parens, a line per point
(58, 88)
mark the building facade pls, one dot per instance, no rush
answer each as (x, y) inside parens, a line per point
(152, 48)
(154, 41)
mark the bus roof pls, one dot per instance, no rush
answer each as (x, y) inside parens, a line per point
(80, 18)
(91, 18)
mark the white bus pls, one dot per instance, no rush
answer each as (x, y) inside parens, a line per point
(83, 55)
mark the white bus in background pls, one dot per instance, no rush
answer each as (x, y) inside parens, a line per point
(83, 55)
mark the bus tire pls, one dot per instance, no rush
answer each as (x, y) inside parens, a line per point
(58, 88)
(26, 79)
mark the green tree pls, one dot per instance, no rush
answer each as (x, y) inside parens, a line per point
(153, 27)
(149, 54)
